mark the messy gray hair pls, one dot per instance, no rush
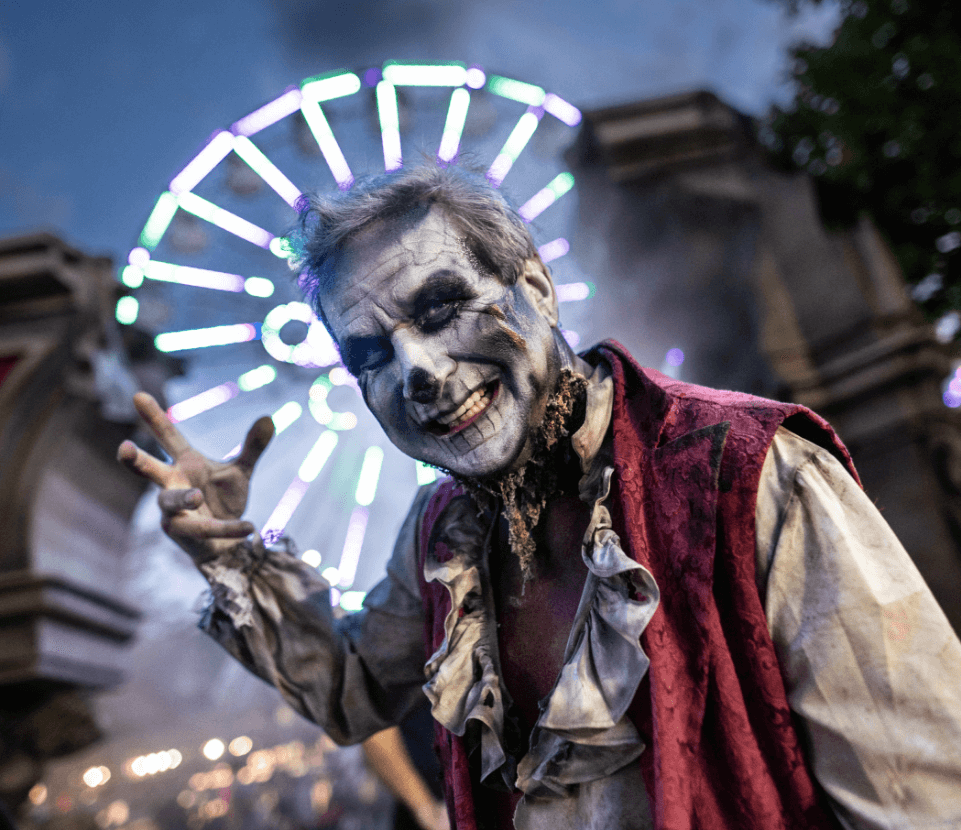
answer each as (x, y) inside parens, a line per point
(492, 230)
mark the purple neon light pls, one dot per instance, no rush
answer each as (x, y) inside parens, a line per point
(674, 357)
(561, 110)
(203, 401)
(268, 114)
(572, 292)
(205, 161)
(354, 541)
(197, 277)
(555, 249)
(278, 519)
(476, 77)
(373, 76)
(138, 257)
(572, 337)
(317, 121)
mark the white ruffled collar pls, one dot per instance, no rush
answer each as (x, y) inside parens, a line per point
(583, 733)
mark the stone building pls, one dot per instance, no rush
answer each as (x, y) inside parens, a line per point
(707, 248)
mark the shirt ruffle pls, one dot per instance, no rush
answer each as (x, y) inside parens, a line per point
(583, 732)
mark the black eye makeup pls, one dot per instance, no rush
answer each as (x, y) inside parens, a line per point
(439, 301)
(361, 354)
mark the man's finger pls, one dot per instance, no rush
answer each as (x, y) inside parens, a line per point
(192, 526)
(176, 501)
(142, 463)
(167, 434)
(255, 443)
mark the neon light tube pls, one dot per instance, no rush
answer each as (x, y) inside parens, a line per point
(389, 126)
(205, 161)
(258, 286)
(516, 90)
(572, 338)
(513, 147)
(561, 110)
(353, 542)
(400, 74)
(138, 257)
(197, 277)
(314, 461)
(174, 341)
(425, 474)
(574, 291)
(543, 199)
(127, 310)
(475, 77)
(203, 401)
(268, 114)
(454, 126)
(369, 475)
(324, 136)
(230, 222)
(274, 526)
(555, 249)
(159, 220)
(132, 276)
(286, 415)
(326, 87)
(267, 170)
(256, 378)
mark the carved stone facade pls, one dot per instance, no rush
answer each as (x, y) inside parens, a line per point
(709, 249)
(65, 503)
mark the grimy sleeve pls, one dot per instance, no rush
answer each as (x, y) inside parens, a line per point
(352, 675)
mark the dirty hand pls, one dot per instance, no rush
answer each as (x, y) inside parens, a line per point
(202, 500)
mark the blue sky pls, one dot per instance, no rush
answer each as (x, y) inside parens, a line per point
(101, 103)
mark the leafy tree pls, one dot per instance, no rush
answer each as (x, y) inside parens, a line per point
(876, 119)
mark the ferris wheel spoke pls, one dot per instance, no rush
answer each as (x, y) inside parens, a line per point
(267, 170)
(143, 267)
(284, 417)
(454, 125)
(389, 125)
(268, 114)
(230, 222)
(309, 469)
(554, 249)
(200, 165)
(317, 122)
(515, 144)
(218, 395)
(353, 544)
(175, 341)
(543, 199)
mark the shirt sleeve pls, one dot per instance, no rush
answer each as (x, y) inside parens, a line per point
(872, 665)
(353, 675)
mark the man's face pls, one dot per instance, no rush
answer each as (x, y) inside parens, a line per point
(455, 365)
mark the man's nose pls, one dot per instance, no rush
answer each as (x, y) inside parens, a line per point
(424, 369)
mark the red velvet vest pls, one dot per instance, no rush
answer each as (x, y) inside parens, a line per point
(723, 753)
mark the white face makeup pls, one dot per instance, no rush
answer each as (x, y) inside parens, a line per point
(455, 365)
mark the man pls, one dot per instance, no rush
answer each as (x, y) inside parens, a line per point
(640, 603)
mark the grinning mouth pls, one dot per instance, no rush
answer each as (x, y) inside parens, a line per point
(469, 411)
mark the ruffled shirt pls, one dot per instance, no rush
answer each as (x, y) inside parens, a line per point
(873, 668)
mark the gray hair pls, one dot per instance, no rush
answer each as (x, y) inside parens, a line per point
(493, 231)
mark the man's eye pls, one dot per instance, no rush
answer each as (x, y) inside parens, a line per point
(369, 355)
(438, 314)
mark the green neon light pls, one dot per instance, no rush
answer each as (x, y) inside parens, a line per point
(256, 378)
(329, 85)
(516, 90)
(317, 457)
(561, 184)
(127, 310)
(286, 415)
(369, 475)
(387, 107)
(159, 220)
(520, 135)
(280, 247)
(425, 474)
(409, 74)
(258, 287)
(132, 276)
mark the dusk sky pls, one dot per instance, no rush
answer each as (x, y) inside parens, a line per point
(101, 103)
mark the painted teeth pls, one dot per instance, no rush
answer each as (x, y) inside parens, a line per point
(475, 404)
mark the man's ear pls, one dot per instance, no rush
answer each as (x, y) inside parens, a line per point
(536, 283)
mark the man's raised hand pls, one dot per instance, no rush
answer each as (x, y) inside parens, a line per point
(202, 500)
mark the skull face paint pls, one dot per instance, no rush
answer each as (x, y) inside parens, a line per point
(455, 365)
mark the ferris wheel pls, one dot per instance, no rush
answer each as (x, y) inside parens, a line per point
(209, 278)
